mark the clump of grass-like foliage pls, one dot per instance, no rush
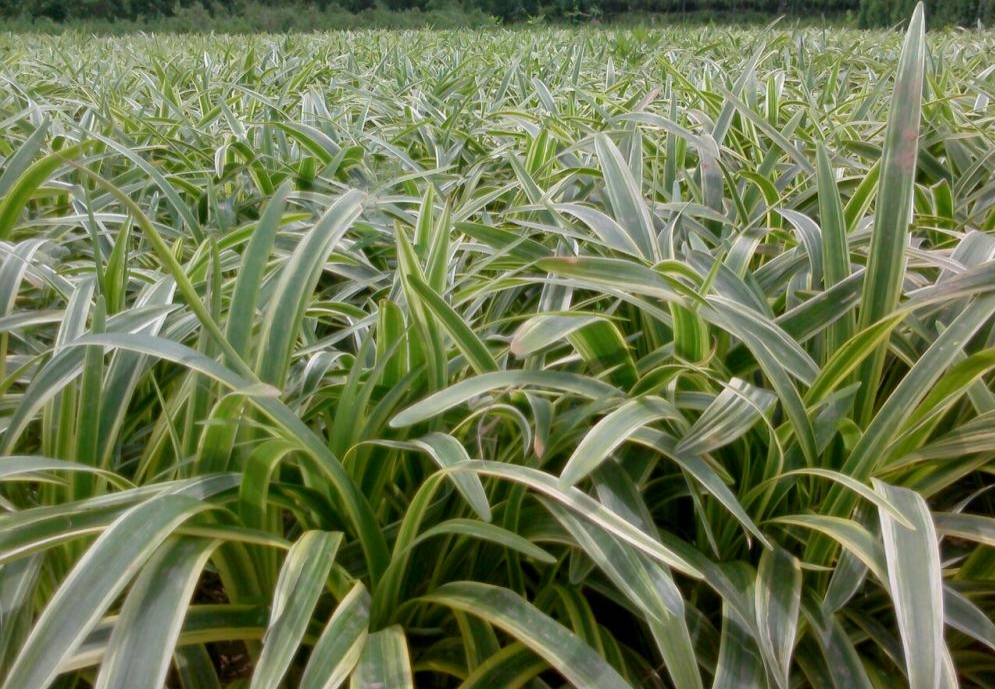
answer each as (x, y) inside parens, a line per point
(616, 359)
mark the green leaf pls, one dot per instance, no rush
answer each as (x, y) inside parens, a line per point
(146, 631)
(886, 260)
(301, 582)
(470, 388)
(626, 199)
(341, 643)
(510, 668)
(729, 416)
(384, 662)
(916, 583)
(777, 600)
(466, 340)
(96, 580)
(576, 661)
(282, 323)
(242, 313)
(612, 431)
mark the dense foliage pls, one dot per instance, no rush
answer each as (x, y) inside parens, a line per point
(500, 359)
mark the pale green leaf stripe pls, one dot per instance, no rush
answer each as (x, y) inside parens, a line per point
(466, 390)
(841, 657)
(570, 656)
(624, 275)
(702, 472)
(195, 668)
(649, 587)
(626, 198)
(96, 580)
(605, 228)
(778, 601)
(835, 251)
(971, 527)
(584, 505)
(18, 582)
(916, 384)
(511, 667)
(886, 259)
(146, 631)
(182, 209)
(301, 582)
(242, 313)
(446, 451)
(384, 662)
(612, 431)
(916, 583)
(19, 465)
(728, 417)
(476, 353)
(857, 487)
(850, 534)
(962, 614)
(14, 200)
(543, 330)
(17, 164)
(341, 643)
(739, 665)
(298, 278)
(485, 532)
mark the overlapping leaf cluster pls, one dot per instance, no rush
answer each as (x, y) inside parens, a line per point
(614, 359)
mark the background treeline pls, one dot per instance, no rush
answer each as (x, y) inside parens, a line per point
(290, 15)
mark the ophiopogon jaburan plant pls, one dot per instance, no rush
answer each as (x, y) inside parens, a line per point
(593, 358)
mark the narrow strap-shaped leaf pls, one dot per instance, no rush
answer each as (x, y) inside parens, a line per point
(835, 251)
(612, 431)
(846, 671)
(729, 416)
(384, 662)
(510, 668)
(145, 634)
(916, 583)
(17, 164)
(20, 189)
(446, 451)
(476, 353)
(739, 665)
(96, 580)
(963, 615)
(466, 390)
(194, 668)
(300, 584)
(626, 198)
(283, 319)
(18, 582)
(576, 661)
(886, 260)
(778, 599)
(341, 643)
(587, 507)
(242, 313)
(290, 425)
(649, 587)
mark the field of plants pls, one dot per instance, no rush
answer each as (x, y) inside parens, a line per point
(499, 359)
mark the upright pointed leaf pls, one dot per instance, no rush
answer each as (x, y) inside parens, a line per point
(302, 581)
(916, 582)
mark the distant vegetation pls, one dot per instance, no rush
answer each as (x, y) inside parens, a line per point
(296, 15)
